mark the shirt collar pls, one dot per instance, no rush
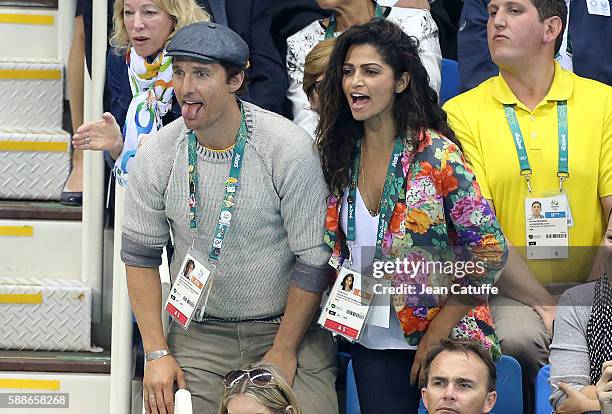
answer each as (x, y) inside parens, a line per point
(561, 88)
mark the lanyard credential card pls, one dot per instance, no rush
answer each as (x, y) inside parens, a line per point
(196, 308)
(191, 284)
(546, 227)
(348, 305)
(345, 313)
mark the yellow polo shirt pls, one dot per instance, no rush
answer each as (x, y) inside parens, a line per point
(478, 119)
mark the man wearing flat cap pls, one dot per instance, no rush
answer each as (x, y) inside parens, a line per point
(242, 193)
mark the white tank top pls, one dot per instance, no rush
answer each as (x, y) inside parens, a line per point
(373, 337)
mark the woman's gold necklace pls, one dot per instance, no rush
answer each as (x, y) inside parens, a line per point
(373, 213)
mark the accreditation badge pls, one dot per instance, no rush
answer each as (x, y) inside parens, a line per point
(348, 305)
(190, 289)
(546, 227)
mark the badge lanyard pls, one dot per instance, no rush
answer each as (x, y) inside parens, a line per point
(331, 27)
(519, 143)
(231, 185)
(385, 208)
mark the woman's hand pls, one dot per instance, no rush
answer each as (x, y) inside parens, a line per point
(102, 135)
(604, 388)
(432, 337)
(440, 327)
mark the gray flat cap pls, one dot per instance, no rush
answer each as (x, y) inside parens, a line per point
(209, 41)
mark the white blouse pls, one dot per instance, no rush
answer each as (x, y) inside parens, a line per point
(414, 22)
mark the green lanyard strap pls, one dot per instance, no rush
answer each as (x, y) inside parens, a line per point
(331, 27)
(519, 143)
(386, 208)
(231, 186)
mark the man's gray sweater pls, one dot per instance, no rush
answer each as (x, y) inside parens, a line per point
(276, 234)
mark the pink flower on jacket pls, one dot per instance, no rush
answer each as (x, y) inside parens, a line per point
(387, 243)
(415, 274)
(406, 158)
(467, 211)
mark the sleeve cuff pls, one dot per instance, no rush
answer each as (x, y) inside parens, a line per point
(311, 278)
(137, 255)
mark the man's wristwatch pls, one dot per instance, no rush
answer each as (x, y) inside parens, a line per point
(151, 356)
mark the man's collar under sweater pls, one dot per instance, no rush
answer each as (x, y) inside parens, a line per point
(208, 154)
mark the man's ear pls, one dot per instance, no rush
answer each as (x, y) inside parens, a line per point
(235, 82)
(489, 402)
(424, 397)
(553, 29)
(402, 83)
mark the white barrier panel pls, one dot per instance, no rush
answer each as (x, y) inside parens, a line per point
(39, 248)
(83, 393)
(121, 346)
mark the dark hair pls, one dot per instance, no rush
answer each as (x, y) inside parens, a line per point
(550, 8)
(536, 202)
(234, 70)
(189, 263)
(465, 346)
(415, 109)
(344, 280)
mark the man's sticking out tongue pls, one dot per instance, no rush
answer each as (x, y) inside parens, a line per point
(190, 110)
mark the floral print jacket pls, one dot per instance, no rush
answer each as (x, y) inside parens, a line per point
(440, 216)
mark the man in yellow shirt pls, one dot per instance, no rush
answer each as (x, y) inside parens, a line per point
(537, 135)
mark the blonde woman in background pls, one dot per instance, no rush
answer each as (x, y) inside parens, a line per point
(138, 79)
(315, 66)
(257, 388)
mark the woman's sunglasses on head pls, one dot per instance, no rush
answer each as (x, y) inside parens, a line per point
(259, 377)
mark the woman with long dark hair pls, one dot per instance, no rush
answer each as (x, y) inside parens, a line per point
(383, 136)
(344, 15)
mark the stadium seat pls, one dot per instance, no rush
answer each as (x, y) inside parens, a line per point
(509, 389)
(450, 80)
(543, 391)
(509, 386)
(352, 401)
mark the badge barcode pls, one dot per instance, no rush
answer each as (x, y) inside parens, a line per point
(190, 303)
(355, 314)
(556, 236)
